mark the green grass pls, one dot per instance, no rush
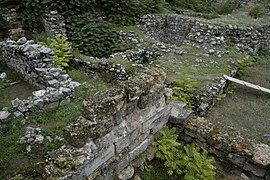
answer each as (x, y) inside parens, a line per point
(196, 63)
(247, 110)
(52, 123)
(15, 91)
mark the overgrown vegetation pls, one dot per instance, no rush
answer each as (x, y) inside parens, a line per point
(183, 89)
(257, 11)
(191, 163)
(62, 50)
(3, 28)
(92, 36)
(207, 6)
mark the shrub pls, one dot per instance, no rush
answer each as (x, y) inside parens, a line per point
(92, 36)
(62, 50)
(191, 163)
(207, 6)
(257, 11)
(184, 89)
(3, 26)
(227, 7)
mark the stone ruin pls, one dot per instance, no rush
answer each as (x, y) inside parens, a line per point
(36, 65)
(116, 129)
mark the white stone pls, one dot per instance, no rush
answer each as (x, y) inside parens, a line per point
(39, 93)
(126, 173)
(3, 75)
(4, 115)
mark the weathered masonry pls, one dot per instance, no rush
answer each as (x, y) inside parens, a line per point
(116, 127)
(177, 29)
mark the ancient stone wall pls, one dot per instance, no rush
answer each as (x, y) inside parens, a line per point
(115, 128)
(36, 65)
(249, 158)
(54, 24)
(176, 29)
(265, 38)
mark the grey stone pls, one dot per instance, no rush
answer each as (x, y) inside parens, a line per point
(73, 84)
(28, 148)
(179, 114)
(237, 159)
(66, 91)
(45, 50)
(39, 138)
(211, 51)
(254, 169)
(3, 75)
(22, 40)
(101, 159)
(150, 123)
(53, 83)
(49, 138)
(262, 154)
(4, 115)
(140, 148)
(39, 103)
(39, 93)
(266, 137)
(18, 114)
(56, 96)
(127, 173)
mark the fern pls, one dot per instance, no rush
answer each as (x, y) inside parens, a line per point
(190, 163)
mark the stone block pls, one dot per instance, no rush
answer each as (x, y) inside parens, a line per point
(141, 147)
(160, 122)
(122, 162)
(149, 124)
(99, 160)
(122, 144)
(256, 170)
(236, 159)
(179, 114)
(136, 137)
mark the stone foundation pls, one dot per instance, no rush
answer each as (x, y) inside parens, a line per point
(177, 29)
(35, 63)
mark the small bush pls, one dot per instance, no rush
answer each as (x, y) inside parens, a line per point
(184, 89)
(207, 6)
(191, 163)
(257, 11)
(62, 50)
(226, 7)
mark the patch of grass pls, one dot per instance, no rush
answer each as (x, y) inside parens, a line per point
(247, 110)
(198, 64)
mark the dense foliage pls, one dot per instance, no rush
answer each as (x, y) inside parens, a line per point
(90, 22)
(3, 25)
(190, 163)
(92, 36)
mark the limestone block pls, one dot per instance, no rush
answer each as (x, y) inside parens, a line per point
(150, 123)
(141, 147)
(254, 169)
(99, 160)
(262, 154)
(236, 159)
